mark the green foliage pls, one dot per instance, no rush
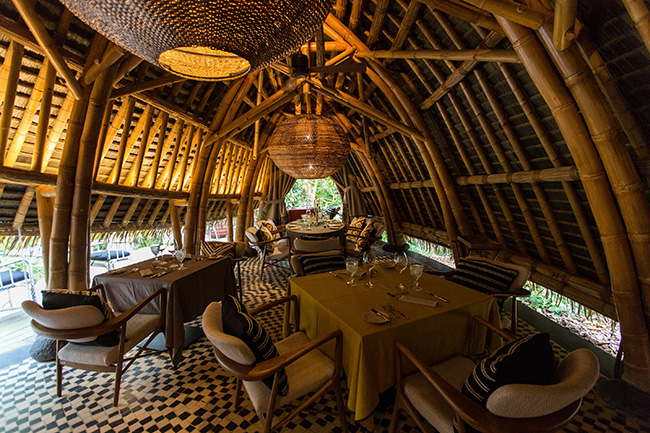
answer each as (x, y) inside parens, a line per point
(304, 193)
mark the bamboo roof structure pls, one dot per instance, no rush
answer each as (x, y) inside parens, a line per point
(513, 125)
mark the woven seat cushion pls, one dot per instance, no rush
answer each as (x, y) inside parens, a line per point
(238, 323)
(305, 375)
(483, 276)
(428, 401)
(216, 249)
(138, 328)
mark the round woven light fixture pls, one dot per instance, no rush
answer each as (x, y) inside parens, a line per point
(309, 146)
(205, 39)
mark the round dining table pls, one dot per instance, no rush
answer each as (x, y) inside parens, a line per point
(322, 230)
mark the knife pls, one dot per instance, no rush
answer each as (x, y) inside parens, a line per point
(437, 296)
(336, 275)
(380, 314)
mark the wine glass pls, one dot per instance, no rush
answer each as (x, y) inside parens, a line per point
(416, 273)
(180, 256)
(401, 263)
(370, 261)
(351, 265)
(155, 250)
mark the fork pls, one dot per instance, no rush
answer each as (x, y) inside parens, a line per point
(398, 311)
(388, 310)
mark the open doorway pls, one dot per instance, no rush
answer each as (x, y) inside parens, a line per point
(306, 194)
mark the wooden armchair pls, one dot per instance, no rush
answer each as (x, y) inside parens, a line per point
(360, 239)
(434, 393)
(308, 370)
(73, 326)
(271, 251)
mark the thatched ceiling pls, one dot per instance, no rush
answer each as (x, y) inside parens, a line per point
(469, 115)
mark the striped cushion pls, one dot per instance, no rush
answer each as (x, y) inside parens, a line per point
(527, 360)
(237, 322)
(369, 231)
(317, 264)
(483, 276)
(215, 249)
(357, 223)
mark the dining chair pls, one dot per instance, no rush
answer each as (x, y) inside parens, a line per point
(309, 372)
(362, 233)
(496, 278)
(234, 250)
(309, 246)
(13, 274)
(76, 330)
(317, 263)
(440, 394)
(271, 250)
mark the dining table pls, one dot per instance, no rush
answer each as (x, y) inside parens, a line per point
(190, 289)
(310, 229)
(435, 333)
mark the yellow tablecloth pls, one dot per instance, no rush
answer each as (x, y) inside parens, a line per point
(327, 303)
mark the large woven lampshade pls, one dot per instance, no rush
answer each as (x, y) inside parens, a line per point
(205, 39)
(309, 146)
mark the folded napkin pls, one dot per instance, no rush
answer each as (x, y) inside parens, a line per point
(414, 300)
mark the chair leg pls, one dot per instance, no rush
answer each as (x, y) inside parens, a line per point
(59, 370)
(394, 421)
(341, 408)
(118, 379)
(237, 396)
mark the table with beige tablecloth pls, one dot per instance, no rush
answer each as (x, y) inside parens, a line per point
(189, 291)
(327, 303)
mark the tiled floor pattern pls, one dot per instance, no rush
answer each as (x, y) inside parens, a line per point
(196, 396)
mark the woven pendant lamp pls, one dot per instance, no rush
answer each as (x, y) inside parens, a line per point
(309, 146)
(205, 39)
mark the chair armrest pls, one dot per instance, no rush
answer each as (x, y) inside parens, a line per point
(268, 241)
(280, 301)
(102, 328)
(267, 368)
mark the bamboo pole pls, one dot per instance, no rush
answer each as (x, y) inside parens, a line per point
(126, 219)
(23, 207)
(101, 140)
(114, 176)
(176, 222)
(473, 16)
(143, 212)
(112, 54)
(563, 23)
(143, 86)
(78, 275)
(43, 117)
(182, 136)
(133, 176)
(597, 188)
(97, 206)
(15, 60)
(640, 14)
(111, 133)
(59, 124)
(108, 219)
(381, 9)
(45, 209)
(515, 12)
(155, 213)
(64, 196)
(477, 55)
(28, 13)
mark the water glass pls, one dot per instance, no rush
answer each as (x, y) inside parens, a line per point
(180, 256)
(370, 261)
(416, 273)
(351, 265)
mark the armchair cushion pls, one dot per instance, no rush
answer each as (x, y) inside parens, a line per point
(317, 264)
(483, 276)
(367, 234)
(57, 299)
(527, 360)
(264, 234)
(357, 223)
(215, 249)
(237, 322)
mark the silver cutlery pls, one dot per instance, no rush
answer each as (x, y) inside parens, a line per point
(336, 275)
(380, 314)
(437, 297)
(397, 311)
(388, 310)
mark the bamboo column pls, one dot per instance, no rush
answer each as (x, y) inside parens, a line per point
(625, 288)
(43, 118)
(229, 226)
(114, 176)
(45, 209)
(176, 222)
(78, 277)
(640, 14)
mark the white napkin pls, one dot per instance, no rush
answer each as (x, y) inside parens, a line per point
(414, 300)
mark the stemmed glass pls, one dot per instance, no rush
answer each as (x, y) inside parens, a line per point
(401, 263)
(351, 265)
(416, 273)
(180, 256)
(155, 250)
(371, 262)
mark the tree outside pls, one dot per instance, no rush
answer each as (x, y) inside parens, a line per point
(305, 192)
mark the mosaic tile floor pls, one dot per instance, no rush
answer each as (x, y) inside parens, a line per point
(196, 396)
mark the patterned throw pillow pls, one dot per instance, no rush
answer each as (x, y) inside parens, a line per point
(357, 223)
(527, 360)
(59, 298)
(237, 322)
(317, 264)
(270, 226)
(216, 249)
(263, 234)
(369, 231)
(483, 276)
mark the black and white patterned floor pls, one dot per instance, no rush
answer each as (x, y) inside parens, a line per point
(196, 396)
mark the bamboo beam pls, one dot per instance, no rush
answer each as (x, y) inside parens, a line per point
(563, 23)
(111, 55)
(108, 219)
(173, 110)
(477, 55)
(176, 222)
(114, 176)
(617, 248)
(23, 207)
(381, 9)
(130, 212)
(640, 14)
(143, 213)
(515, 12)
(410, 15)
(15, 57)
(58, 126)
(43, 118)
(33, 21)
(143, 86)
(474, 16)
(155, 213)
